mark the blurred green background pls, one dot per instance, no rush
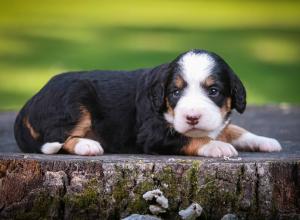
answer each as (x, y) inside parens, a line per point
(38, 39)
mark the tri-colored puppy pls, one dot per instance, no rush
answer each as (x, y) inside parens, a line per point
(181, 107)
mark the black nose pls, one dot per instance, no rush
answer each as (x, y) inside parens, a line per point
(192, 120)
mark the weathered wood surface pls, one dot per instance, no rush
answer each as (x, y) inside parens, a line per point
(259, 186)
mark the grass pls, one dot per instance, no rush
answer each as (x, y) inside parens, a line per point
(38, 39)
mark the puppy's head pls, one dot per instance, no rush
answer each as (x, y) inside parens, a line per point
(198, 93)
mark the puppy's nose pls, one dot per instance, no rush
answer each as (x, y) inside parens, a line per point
(192, 120)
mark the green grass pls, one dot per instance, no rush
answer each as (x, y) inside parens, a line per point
(38, 39)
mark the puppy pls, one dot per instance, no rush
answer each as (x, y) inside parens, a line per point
(182, 107)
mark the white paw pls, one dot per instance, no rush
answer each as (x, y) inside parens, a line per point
(88, 147)
(249, 141)
(217, 149)
(51, 148)
(266, 144)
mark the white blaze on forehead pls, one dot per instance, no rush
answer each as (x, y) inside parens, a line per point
(196, 67)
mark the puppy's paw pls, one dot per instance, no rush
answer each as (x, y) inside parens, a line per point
(249, 141)
(217, 149)
(51, 148)
(88, 147)
(267, 144)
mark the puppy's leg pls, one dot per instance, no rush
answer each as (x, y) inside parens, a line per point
(74, 145)
(247, 141)
(83, 146)
(208, 148)
(72, 129)
(79, 141)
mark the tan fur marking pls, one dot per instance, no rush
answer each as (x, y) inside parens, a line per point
(230, 133)
(179, 82)
(84, 124)
(35, 135)
(209, 81)
(194, 145)
(169, 108)
(70, 143)
(226, 107)
(81, 130)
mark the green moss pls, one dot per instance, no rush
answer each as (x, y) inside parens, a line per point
(120, 190)
(124, 179)
(41, 207)
(89, 197)
(138, 204)
(192, 177)
(127, 183)
(215, 199)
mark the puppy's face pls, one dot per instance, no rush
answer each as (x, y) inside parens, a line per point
(200, 94)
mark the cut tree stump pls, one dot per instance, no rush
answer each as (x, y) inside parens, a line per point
(259, 186)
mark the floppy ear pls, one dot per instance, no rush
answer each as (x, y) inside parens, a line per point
(157, 94)
(238, 93)
(158, 78)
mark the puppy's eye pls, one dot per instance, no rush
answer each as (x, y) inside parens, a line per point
(176, 93)
(213, 91)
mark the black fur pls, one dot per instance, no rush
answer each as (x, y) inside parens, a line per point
(126, 108)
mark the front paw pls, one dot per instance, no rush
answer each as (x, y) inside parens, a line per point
(266, 144)
(217, 149)
(252, 142)
(88, 147)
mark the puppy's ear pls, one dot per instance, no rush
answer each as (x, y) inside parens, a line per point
(158, 82)
(238, 93)
(157, 94)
